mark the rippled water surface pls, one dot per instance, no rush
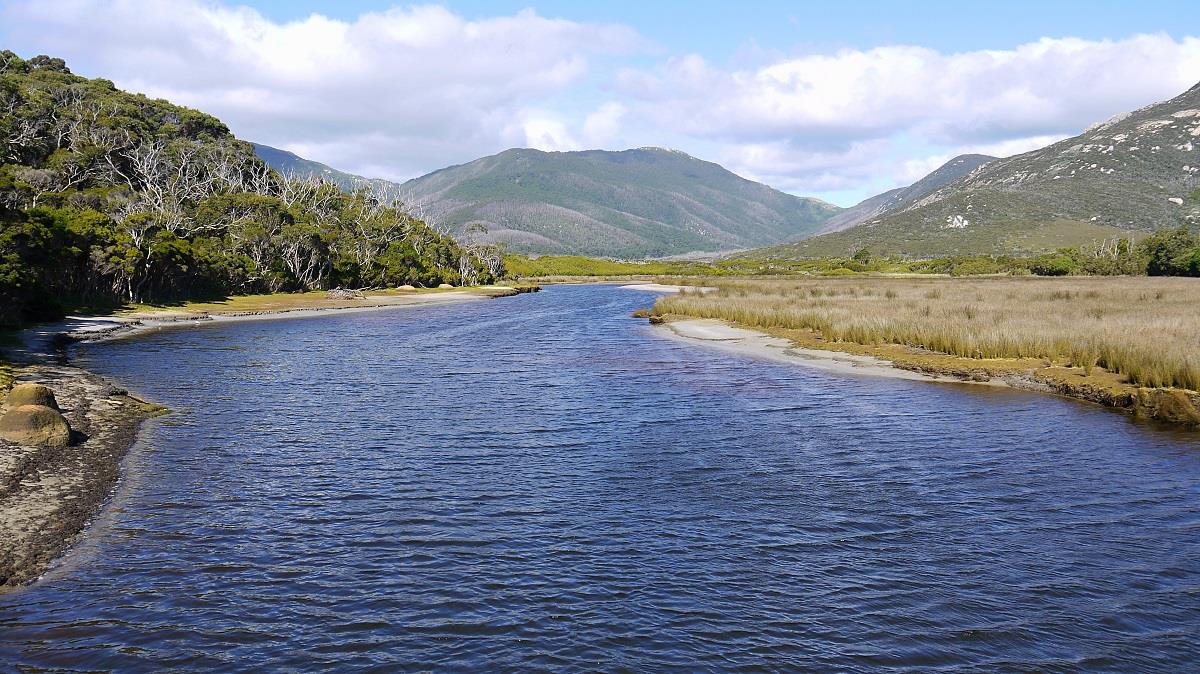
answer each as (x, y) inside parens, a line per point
(542, 483)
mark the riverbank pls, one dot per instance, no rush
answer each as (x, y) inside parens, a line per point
(49, 495)
(1127, 343)
(808, 349)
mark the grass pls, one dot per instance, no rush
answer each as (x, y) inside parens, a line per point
(1145, 329)
(560, 267)
(282, 301)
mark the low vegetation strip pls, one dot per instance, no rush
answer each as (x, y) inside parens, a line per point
(1147, 330)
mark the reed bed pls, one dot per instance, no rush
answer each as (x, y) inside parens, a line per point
(1147, 329)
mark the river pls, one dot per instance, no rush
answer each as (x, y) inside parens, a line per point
(543, 483)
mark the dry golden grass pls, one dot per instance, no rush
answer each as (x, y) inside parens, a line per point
(1147, 329)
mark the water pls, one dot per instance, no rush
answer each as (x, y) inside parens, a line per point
(542, 483)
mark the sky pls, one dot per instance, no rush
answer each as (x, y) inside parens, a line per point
(836, 100)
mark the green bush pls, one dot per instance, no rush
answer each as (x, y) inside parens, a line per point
(1172, 253)
(1060, 263)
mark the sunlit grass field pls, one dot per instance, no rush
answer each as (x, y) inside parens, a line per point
(1147, 329)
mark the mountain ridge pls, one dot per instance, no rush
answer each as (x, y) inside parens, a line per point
(643, 202)
(866, 209)
(1130, 174)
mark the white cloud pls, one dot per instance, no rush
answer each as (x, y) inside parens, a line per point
(1039, 88)
(604, 125)
(828, 122)
(409, 89)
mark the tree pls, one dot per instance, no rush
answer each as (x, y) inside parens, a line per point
(1171, 252)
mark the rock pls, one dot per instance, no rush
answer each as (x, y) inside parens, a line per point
(31, 394)
(445, 285)
(406, 287)
(343, 294)
(36, 425)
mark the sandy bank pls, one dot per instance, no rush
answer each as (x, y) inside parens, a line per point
(720, 335)
(1174, 406)
(664, 288)
(46, 340)
(48, 495)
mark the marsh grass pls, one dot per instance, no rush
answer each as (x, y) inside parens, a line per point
(1111, 323)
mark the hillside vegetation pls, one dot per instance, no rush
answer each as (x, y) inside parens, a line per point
(648, 202)
(109, 197)
(1133, 174)
(1165, 253)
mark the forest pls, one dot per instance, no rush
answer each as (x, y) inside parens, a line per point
(108, 197)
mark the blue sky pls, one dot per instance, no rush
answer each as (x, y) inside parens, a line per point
(838, 100)
(722, 29)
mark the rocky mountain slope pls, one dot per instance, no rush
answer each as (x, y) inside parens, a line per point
(902, 196)
(1134, 173)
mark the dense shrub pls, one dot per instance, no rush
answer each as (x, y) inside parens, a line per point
(1173, 252)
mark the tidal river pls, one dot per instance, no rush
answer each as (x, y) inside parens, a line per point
(542, 483)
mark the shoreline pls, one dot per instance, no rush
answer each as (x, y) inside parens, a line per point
(721, 335)
(103, 328)
(1174, 406)
(49, 497)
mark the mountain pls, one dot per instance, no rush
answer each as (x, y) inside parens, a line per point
(1134, 173)
(902, 196)
(646, 202)
(289, 163)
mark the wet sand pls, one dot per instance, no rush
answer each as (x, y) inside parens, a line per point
(720, 335)
(664, 288)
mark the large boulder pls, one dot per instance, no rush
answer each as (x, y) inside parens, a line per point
(36, 425)
(31, 394)
(445, 285)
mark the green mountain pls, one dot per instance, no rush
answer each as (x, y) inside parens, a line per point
(1135, 173)
(289, 163)
(902, 196)
(647, 202)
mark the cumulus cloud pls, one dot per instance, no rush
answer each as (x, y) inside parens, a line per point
(406, 89)
(1038, 88)
(828, 121)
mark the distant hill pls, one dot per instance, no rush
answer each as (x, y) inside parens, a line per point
(1134, 173)
(647, 202)
(289, 163)
(902, 196)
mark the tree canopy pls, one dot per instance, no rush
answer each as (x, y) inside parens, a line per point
(108, 197)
